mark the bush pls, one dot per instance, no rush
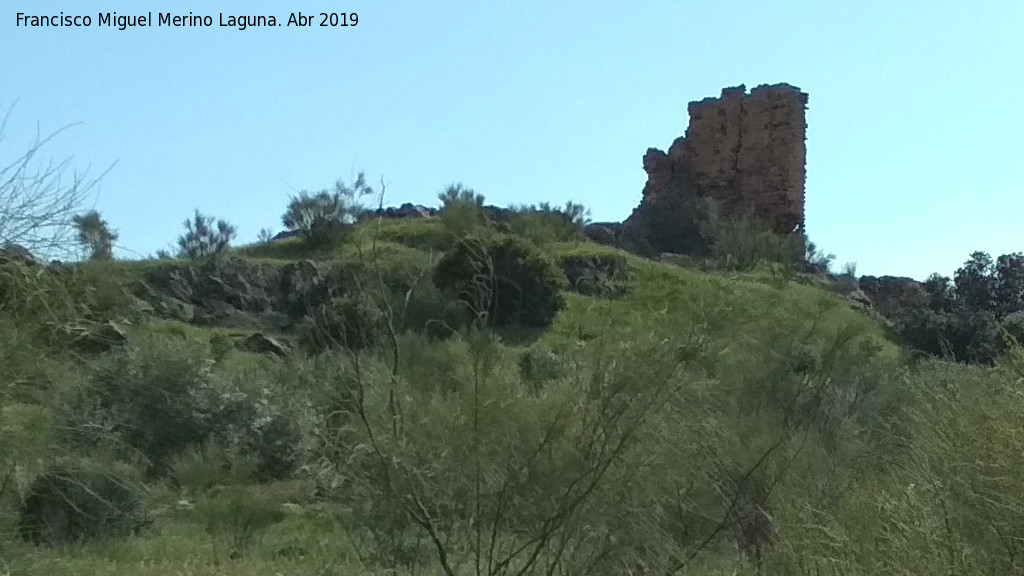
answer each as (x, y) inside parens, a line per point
(325, 216)
(80, 500)
(205, 238)
(1011, 331)
(462, 212)
(427, 311)
(159, 392)
(506, 279)
(230, 512)
(95, 235)
(262, 429)
(602, 275)
(741, 243)
(543, 224)
(351, 321)
(539, 366)
(200, 468)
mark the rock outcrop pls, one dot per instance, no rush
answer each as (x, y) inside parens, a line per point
(746, 152)
(240, 294)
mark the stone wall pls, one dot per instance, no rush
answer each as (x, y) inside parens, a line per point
(746, 151)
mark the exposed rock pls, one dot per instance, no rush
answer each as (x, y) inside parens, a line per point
(260, 343)
(606, 233)
(240, 294)
(304, 286)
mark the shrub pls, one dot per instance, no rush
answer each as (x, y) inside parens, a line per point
(506, 279)
(82, 499)
(539, 366)
(602, 275)
(95, 235)
(159, 393)
(260, 427)
(230, 512)
(426, 310)
(200, 468)
(351, 321)
(462, 211)
(325, 216)
(205, 237)
(543, 224)
(266, 236)
(743, 242)
(1011, 331)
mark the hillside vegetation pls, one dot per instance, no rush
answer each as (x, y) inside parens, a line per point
(471, 394)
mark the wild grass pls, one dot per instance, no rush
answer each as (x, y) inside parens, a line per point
(698, 422)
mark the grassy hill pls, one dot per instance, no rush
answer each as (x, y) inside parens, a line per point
(669, 421)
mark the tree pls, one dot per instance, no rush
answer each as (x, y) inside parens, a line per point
(38, 198)
(1009, 283)
(941, 293)
(975, 282)
(205, 238)
(95, 235)
(323, 216)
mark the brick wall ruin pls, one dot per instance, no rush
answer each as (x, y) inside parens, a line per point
(746, 151)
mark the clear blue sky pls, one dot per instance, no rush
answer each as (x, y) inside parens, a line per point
(915, 114)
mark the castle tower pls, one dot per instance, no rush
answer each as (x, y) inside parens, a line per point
(746, 151)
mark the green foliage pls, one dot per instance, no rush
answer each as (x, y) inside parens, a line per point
(604, 275)
(456, 193)
(352, 321)
(266, 236)
(158, 393)
(817, 260)
(205, 237)
(427, 310)
(741, 243)
(675, 224)
(234, 514)
(1011, 331)
(975, 282)
(326, 216)
(967, 319)
(540, 366)
(544, 224)
(462, 211)
(202, 467)
(95, 235)
(81, 499)
(503, 279)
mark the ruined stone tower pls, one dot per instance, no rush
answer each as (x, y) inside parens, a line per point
(745, 151)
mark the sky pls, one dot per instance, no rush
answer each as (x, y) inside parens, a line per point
(915, 115)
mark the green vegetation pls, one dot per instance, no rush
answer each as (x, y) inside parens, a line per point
(326, 216)
(205, 237)
(974, 317)
(484, 392)
(95, 235)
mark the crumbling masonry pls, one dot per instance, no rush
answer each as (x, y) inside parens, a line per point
(745, 151)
